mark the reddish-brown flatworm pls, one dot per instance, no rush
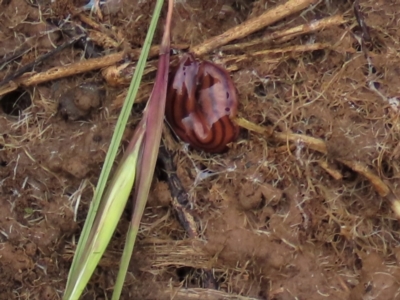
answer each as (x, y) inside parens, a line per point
(201, 103)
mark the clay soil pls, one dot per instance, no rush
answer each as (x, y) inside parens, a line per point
(277, 219)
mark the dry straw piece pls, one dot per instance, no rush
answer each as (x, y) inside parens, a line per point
(252, 25)
(284, 35)
(198, 294)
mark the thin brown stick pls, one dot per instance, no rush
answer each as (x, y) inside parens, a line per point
(101, 39)
(197, 293)
(360, 19)
(74, 68)
(310, 142)
(362, 169)
(254, 127)
(319, 145)
(38, 60)
(79, 68)
(285, 35)
(85, 19)
(252, 25)
(101, 29)
(295, 48)
(331, 171)
(64, 71)
(395, 201)
(180, 200)
(11, 57)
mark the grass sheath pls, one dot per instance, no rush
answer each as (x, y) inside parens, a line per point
(152, 121)
(105, 212)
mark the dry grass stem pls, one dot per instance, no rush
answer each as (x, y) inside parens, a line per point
(310, 142)
(254, 127)
(74, 69)
(197, 293)
(64, 71)
(38, 60)
(281, 36)
(78, 68)
(330, 170)
(103, 40)
(252, 25)
(165, 253)
(395, 201)
(89, 21)
(295, 48)
(362, 169)
(120, 75)
(178, 193)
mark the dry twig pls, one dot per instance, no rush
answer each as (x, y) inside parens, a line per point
(287, 34)
(252, 25)
(38, 60)
(331, 171)
(196, 293)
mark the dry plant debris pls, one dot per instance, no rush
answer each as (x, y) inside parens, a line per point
(304, 205)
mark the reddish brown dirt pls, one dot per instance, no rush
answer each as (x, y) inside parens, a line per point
(274, 223)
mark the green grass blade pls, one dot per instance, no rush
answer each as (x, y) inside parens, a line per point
(106, 221)
(126, 257)
(153, 117)
(112, 151)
